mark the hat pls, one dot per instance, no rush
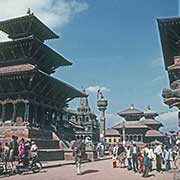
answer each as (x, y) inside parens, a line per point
(33, 142)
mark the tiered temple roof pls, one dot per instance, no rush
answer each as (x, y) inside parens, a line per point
(150, 120)
(131, 114)
(31, 50)
(154, 133)
(25, 67)
(138, 125)
(26, 26)
(130, 125)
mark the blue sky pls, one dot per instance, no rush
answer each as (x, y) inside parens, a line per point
(113, 44)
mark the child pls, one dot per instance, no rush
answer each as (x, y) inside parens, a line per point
(140, 162)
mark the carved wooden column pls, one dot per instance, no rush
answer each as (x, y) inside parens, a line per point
(42, 116)
(35, 115)
(14, 112)
(25, 111)
(3, 112)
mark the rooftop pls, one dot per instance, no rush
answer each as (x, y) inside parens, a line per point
(16, 69)
(153, 133)
(111, 132)
(131, 114)
(130, 110)
(55, 86)
(149, 113)
(33, 50)
(130, 125)
(150, 122)
(27, 25)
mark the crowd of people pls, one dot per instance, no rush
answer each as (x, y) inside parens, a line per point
(141, 159)
(17, 151)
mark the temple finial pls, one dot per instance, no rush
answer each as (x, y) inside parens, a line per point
(132, 106)
(29, 12)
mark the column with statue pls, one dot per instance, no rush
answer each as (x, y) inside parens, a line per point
(102, 106)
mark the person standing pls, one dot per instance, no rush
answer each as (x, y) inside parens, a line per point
(167, 154)
(21, 152)
(98, 150)
(13, 148)
(129, 157)
(146, 165)
(121, 155)
(151, 157)
(78, 148)
(6, 151)
(140, 162)
(158, 153)
(78, 159)
(134, 151)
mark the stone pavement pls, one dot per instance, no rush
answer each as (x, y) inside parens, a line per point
(98, 170)
(51, 164)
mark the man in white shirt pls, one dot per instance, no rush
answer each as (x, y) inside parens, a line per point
(158, 152)
(34, 149)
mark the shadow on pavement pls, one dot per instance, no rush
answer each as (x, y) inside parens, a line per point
(89, 171)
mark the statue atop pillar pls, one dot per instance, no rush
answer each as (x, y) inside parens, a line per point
(102, 104)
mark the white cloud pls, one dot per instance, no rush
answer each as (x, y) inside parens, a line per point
(52, 12)
(112, 119)
(169, 120)
(94, 89)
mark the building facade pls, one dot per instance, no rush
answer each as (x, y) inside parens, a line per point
(85, 118)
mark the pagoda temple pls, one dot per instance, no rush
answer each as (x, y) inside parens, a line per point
(139, 126)
(31, 100)
(170, 42)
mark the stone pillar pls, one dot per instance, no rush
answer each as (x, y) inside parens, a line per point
(102, 105)
(124, 134)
